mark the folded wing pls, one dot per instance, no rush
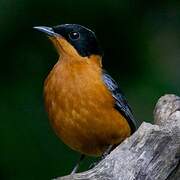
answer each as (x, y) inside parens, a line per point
(121, 103)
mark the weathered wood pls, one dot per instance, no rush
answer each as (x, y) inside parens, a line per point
(151, 153)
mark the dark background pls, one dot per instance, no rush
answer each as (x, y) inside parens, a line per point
(141, 40)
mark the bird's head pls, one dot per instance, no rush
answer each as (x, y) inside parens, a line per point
(73, 40)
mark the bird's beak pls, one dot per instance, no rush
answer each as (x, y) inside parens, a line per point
(47, 30)
(59, 41)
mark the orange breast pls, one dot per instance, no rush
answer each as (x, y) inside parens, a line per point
(81, 109)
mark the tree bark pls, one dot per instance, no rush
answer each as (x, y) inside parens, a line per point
(151, 153)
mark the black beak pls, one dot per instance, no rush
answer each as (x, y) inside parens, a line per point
(47, 30)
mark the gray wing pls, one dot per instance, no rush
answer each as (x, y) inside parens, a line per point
(121, 103)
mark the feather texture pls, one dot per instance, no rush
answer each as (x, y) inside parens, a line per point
(121, 103)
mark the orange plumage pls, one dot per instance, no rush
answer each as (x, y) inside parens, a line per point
(81, 108)
(84, 104)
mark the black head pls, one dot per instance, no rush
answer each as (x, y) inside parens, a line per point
(81, 38)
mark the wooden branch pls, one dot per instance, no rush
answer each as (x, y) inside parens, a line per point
(151, 153)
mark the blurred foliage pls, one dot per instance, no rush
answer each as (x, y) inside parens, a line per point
(141, 40)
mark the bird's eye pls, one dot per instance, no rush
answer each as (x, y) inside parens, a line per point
(74, 35)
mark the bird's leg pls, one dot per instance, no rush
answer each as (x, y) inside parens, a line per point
(76, 167)
(105, 153)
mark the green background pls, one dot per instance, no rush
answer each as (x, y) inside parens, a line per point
(141, 40)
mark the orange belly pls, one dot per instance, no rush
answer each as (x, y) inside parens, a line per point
(81, 110)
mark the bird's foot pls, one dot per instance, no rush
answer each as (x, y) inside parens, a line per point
(75, 169)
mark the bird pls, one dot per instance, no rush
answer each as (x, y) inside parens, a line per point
(85, 105)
